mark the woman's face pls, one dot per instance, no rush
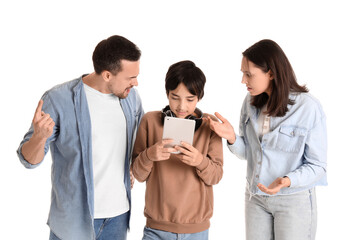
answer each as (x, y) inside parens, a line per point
(257, 82)
(182, 103)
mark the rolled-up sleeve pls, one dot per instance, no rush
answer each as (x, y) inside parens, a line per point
(47, 108)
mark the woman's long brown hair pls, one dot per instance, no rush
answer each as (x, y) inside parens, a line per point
(268, 55)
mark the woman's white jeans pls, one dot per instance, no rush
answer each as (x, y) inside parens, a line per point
(283, 217)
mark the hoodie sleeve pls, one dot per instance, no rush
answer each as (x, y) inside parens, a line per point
(141, 164)
(212, 164)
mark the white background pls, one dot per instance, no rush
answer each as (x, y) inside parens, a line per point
(44, 43)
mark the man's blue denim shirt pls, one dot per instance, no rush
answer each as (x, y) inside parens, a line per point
(296, 146)
(72, 197)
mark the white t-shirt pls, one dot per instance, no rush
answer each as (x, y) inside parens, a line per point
(263, 123)
(108, 152)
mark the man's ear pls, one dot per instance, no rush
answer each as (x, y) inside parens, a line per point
(106, 75)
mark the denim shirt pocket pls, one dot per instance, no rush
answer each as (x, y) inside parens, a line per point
(291, 138)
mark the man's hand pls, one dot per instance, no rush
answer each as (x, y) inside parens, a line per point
(189, 154)
(276, 186)
(158, 152)
(33, 150)
(223, 129)
(43, 123)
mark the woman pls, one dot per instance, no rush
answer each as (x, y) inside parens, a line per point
(179, 195)
(282, 136)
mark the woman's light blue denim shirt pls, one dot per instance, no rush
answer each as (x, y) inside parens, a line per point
(72, 197)
(296, 146)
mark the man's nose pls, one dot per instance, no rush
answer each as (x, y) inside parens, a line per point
(134, 82)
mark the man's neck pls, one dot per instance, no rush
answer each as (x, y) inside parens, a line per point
(96, 81)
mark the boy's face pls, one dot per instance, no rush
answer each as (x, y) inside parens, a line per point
(182, 103)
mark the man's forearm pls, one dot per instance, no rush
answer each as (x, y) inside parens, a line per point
(33, 150)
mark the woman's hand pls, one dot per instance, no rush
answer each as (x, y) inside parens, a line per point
(276, 186)
(189, 154)
(158, 152)
(223, 129)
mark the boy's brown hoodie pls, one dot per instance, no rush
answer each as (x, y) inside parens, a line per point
(179, 197)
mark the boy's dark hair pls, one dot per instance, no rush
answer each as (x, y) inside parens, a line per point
(187, 73)
(109, 52)
(268, 55)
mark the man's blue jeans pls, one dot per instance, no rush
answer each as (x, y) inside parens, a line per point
(154, 234)
(108, 228)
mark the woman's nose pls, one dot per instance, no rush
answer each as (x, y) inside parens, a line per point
(244, 80)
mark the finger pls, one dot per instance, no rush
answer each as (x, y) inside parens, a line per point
(164, 156)
(212, 123)
(187, 145)
(220, 117)
(38, 109)
(262, 187)
(166, 141)
(184, 151)
(169, 150)
(209, 119)
(266, 190)
(44, 119)
(52, 124)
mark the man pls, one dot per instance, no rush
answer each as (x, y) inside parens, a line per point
(89, 124)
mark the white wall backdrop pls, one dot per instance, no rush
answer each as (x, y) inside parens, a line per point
(44, 43)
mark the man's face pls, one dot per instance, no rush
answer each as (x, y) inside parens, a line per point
(181, 101)
(121, 83)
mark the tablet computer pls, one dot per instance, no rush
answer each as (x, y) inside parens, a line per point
(178, 129)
